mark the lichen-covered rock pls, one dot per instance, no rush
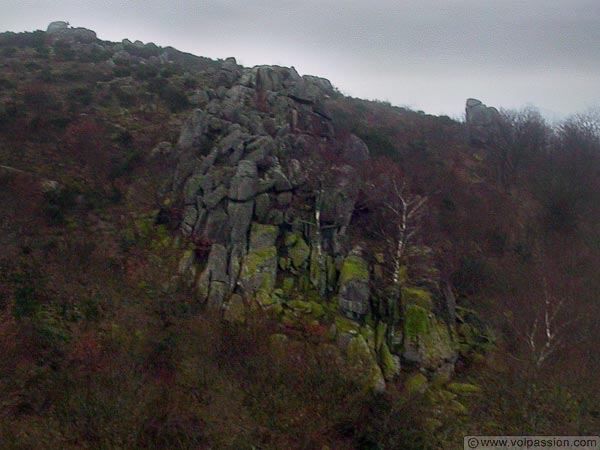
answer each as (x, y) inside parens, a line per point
(427, 340)
(244, 184)
(416, 296)
(364, 364)
(416, 384)
(259, 270)
(262, 236)
(390, 364)
(353, 296)
(259, 267)
(298, 250)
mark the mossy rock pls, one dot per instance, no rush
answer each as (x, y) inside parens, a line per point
(368, 333)
(344, 325)
(298, 250)
(354, 268)
(290, 239)
(427, 341)
(288, 285)
(259, 270)
(416, 384)
(362, 361)
(416, 322)
(284, 263)
(314, 310)
(262, 236)
(417, 296)
(390, 364)
(438, 344)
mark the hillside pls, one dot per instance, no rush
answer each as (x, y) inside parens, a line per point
(198, 254)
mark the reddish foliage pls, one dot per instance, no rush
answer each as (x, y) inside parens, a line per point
(85, 142)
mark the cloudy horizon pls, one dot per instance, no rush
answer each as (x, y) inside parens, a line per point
(429, 55)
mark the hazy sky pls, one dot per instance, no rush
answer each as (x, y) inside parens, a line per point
(425, 54)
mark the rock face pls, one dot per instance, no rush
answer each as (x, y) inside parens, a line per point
(265, 183)
(481, 121)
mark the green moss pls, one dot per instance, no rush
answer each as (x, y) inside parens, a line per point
(255, 260)
(380, 332)
(363, 362)
(417, 296)
(368, 333)
(438, 345)
(288, 285)
(298, 251)
(284, 263)
(314, 310)
(390, 366)
(259, 269)
(344, 325)
(416, 322)
(262, 236)
(416, 384)
(290, 239)
(354, 268)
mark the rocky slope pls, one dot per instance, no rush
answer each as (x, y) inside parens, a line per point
(250, 246)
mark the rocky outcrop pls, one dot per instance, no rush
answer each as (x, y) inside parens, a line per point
(267, 184)
(57, 27)
(481, 121)
(61, 30)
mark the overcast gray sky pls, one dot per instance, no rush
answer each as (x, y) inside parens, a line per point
(429, 55)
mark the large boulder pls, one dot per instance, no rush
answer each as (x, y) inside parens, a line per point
(57, 27)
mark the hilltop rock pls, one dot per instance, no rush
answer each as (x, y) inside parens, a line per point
(57, 27)
(481, 121)
(63, 31)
